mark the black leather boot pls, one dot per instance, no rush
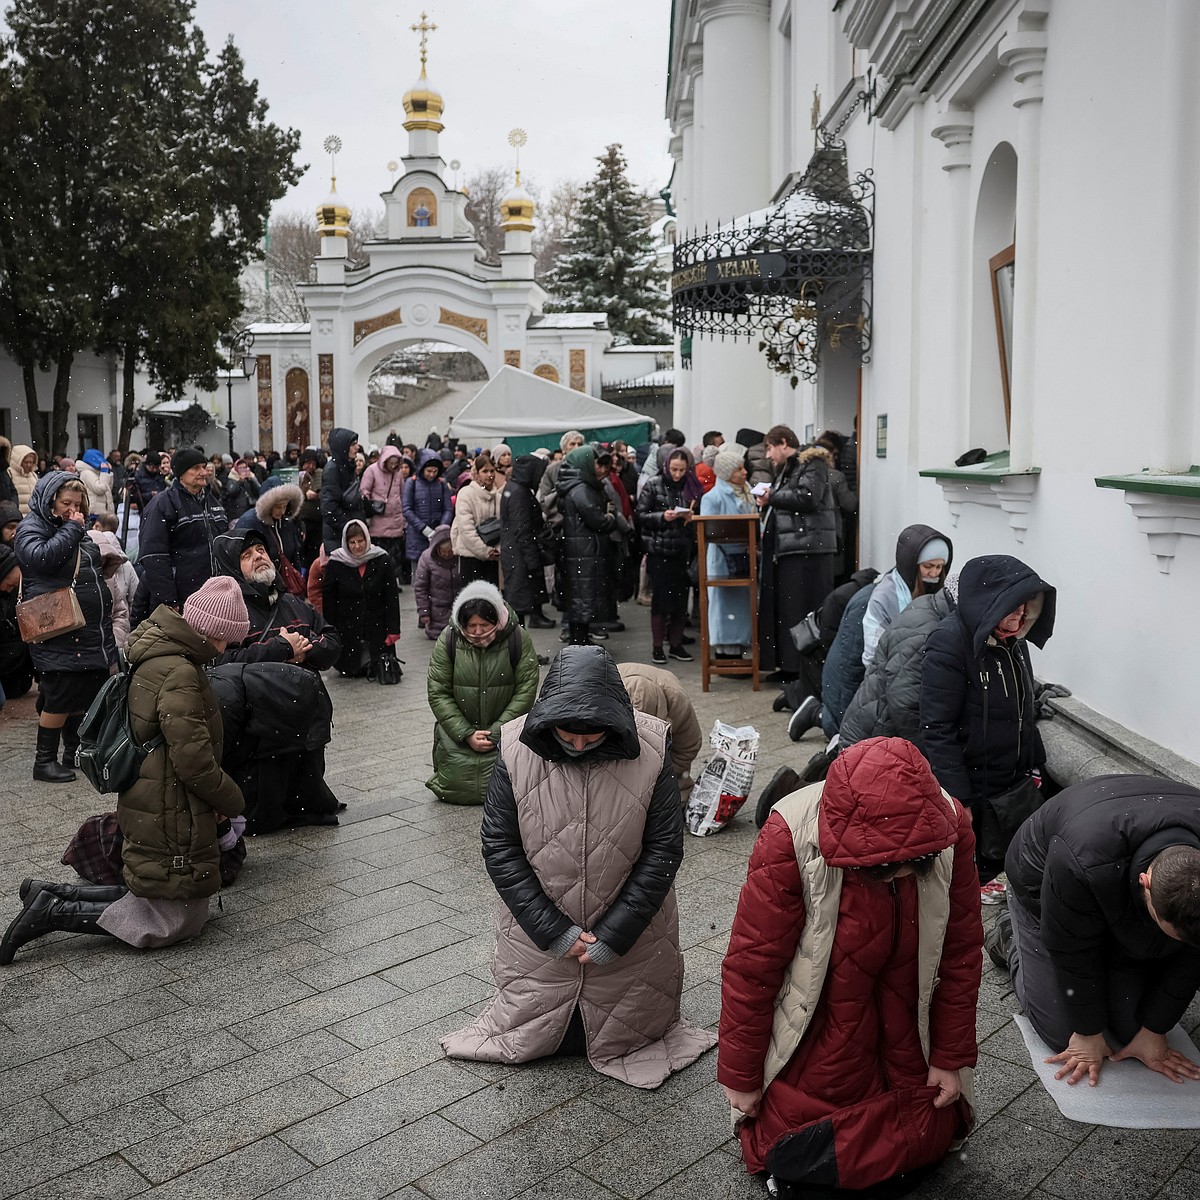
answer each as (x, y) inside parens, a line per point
(538, 620)
(70, 741)
(48, 913)
(70, 891)
(45, 763)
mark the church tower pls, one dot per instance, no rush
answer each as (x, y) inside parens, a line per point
(423, 105)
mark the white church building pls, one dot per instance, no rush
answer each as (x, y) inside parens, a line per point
(944, 270)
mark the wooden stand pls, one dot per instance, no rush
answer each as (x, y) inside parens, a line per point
(741, 529)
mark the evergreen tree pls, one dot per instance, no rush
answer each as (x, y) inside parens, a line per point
(608, 262)
(135, 178)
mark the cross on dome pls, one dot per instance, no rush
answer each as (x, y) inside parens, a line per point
(424, 28)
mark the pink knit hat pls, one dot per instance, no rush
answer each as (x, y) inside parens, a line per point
(218, 611)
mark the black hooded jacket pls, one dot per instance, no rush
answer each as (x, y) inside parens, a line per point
(1074, 866)
(586, 520)
(521, 534)
(801, 517)
(965, 669)
(336, 483)
(583, 686)
(912, 540)
(270, 610)
(175, 546)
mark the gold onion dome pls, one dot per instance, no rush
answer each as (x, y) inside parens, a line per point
(424, 105)
(516, 209)
(333, 217)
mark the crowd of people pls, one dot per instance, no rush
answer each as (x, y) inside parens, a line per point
(847, 1031)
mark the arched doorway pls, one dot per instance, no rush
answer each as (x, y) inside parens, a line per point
(298, 418)
(420, 385)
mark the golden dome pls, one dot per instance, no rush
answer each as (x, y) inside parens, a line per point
(516, 210)
(424, 105)
(333, 217)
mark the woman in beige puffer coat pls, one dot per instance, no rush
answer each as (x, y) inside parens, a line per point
(22, 471)
(477, 502)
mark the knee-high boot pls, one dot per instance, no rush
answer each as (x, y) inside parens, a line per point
(70, 891)
(48, 913)
(70, 741)
(45, 762)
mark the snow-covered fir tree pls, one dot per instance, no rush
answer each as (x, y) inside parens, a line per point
(608, 262)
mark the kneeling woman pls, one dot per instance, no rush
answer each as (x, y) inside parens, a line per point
(361, 601)
(483, 672)
(842, 1062)
(170, 815)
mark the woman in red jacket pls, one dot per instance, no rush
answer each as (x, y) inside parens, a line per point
(849, 988)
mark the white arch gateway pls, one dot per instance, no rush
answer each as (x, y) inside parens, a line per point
(425, 279)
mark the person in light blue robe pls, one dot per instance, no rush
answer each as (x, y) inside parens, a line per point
(729, 629)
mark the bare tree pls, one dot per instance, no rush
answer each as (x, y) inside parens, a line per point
(269, 287)
(485, 189)
(552, 220)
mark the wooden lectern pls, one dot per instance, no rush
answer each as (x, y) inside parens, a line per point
(728, 530)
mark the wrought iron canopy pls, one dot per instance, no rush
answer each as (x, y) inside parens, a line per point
(796, 275)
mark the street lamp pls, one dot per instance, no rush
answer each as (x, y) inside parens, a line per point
(239, 346)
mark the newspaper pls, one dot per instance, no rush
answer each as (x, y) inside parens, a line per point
(724, 784)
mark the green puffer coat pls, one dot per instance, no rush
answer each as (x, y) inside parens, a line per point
(479, 691)
(169, 817)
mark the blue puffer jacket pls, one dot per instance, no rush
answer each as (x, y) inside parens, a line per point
(425, 505)
(844, 669)
(47, 548)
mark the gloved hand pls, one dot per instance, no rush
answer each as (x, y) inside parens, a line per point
(391, 640)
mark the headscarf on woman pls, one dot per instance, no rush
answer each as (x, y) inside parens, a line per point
(344, 555)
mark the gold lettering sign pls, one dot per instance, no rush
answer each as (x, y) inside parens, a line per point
(476, 326)
(738, 269)
(689, 276)
(372, 325)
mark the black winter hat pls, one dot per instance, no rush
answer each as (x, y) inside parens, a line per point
(184, 460)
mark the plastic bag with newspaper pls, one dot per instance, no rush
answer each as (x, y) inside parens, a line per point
(724, 784)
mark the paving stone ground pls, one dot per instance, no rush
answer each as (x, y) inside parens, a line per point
(292, 1050)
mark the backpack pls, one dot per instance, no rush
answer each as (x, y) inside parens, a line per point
(514, 646)
(108, 755)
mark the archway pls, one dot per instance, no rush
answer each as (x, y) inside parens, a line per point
(298, 415)
(419, 385)
(547, 371)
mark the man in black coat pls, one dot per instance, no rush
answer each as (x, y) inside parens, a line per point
(176, 537)
(337, 482)
(290, 788)
(1102, 932)
(283, 627)
(521, 536)
(978, 718)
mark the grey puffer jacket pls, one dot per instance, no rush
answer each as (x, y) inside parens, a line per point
(888, 701)
(801, 506)
(47, 549)
(586, 844)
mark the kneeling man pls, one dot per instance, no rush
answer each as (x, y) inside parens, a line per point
(1102, 932)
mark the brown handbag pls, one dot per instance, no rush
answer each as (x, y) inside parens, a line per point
(51, 614)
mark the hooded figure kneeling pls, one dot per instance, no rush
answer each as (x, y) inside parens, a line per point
(849, 988)
(582, 836)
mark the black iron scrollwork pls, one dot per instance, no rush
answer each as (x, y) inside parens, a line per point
(796, 276)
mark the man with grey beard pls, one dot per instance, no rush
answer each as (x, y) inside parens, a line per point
(283, 627)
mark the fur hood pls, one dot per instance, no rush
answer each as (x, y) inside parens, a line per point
(480, 590)
(269, 497)
(811, 452)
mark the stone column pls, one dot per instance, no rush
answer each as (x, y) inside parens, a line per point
(731, 382)
(1023, 52)
(955, 131)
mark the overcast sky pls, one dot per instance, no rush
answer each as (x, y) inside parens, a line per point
(574, 74)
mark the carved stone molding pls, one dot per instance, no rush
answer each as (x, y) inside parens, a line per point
(476, 326)
(420, 314)
(1024, 54)
(325, 326)
(363, 329)
(1012, 494)
(1164, 520)
(955, 133)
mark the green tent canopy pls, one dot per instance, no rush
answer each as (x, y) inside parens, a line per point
(525, 412)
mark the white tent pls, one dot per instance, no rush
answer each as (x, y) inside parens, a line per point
(518, 406)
